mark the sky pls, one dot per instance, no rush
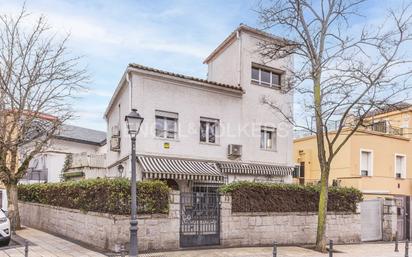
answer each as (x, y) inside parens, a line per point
(174, 35)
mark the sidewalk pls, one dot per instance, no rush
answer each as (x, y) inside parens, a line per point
(359, 250)
(47, 245)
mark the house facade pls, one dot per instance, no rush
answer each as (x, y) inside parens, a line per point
(377, 160)
(48, 166)
(207, 131)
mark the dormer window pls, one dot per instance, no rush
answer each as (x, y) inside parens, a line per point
(266, 77)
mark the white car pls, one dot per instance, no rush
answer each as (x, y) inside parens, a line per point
(4, 229)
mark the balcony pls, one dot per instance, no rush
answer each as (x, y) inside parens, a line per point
(85, 165)
(88, 160)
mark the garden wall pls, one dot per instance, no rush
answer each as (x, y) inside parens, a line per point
(108, 231)
(292, 228)
(161, 231)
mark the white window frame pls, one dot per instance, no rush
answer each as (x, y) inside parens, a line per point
(208, 122)
(360, 162)
(167, 115)
(403, 174)
(274, 138)
(261, 83)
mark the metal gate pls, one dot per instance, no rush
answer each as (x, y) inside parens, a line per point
(199, 217)
(371, 220)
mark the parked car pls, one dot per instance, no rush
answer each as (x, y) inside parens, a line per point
(5, 234)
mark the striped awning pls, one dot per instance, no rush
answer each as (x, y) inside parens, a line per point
(255, 169)
(155, 167)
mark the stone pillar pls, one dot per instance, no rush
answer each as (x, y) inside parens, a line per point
(225, 216)
(174, 205)
(390, 220)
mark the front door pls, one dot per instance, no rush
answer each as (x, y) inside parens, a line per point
(200, 217)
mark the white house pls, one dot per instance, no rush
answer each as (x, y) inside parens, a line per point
(207, 131)
(48, 165)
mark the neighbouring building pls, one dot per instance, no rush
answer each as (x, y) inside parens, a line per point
(376, 160)
(73, 145)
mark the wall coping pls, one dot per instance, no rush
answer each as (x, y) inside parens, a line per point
(98, 214)
(239, 214)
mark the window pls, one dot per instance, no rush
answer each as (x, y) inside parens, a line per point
(268, 138)
(209, 129)
(166, 125)
(266, 77)
(400, 166)
(366, 163)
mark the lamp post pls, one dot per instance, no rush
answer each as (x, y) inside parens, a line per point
(134, 121)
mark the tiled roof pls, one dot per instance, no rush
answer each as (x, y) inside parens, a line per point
(214, 83)
(389, 108)
(82, 135)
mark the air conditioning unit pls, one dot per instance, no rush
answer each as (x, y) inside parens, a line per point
(234, 150)
(115, 131)
(115, 144)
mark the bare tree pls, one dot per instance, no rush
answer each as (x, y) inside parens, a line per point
(38, 77)
(343, 72)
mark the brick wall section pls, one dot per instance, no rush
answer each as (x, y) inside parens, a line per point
(160, 231)
(390, 220)
(253, 229)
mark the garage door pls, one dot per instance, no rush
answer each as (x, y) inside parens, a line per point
(371, 220)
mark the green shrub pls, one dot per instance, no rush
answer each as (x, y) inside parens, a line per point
(99, 195)
(266, 197)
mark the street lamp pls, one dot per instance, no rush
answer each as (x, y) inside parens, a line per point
(134, 121)
(120, 168)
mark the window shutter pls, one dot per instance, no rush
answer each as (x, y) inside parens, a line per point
(365, 161)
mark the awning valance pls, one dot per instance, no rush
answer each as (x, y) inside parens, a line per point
(173, 168)
(255, 169)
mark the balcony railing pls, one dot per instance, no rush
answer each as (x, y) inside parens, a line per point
(88, 160)
(36, 175)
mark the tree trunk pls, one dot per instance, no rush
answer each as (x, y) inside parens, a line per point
(322, 210)
(13, 206)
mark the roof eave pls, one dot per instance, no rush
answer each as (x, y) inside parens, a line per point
(206, 84)
(246, 28)
(116, 92)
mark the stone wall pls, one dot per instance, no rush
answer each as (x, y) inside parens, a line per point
(158, 231)
(161, 232)
(254, 229)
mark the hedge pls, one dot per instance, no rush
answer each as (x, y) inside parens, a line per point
(266, 197)
(99, 195)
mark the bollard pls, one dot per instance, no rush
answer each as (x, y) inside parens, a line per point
(26, 248)
(330, 248)
(122, 250)
(396, 242)
(275, 249)
(407, 248)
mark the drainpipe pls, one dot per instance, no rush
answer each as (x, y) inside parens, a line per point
(129, 83)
